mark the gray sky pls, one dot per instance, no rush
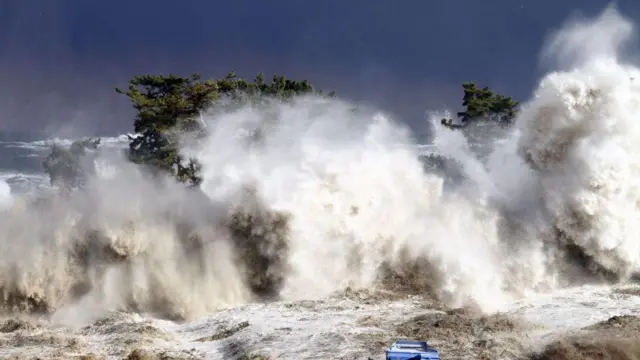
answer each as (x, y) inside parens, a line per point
(61, 59)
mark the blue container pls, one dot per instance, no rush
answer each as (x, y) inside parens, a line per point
(411, 350)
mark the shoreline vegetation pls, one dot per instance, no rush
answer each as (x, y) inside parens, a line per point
(169, 107)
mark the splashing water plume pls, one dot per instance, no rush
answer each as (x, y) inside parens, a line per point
(358, 197)
(584, 41)
(5, 195)
(305, 198)
(580, 136)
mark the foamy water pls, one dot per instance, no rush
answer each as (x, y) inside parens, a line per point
(5, 195)
(326, 197)
(333, 327)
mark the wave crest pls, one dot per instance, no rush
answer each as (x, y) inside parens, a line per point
(327, 198)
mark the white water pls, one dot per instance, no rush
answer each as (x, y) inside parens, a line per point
(328, 328)
(354, 191)
(357, 196)
(570, 166)
(6, 199)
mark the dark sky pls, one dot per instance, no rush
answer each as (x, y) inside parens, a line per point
(61, 59)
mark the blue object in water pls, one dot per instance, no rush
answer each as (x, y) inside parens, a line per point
(411, 350)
